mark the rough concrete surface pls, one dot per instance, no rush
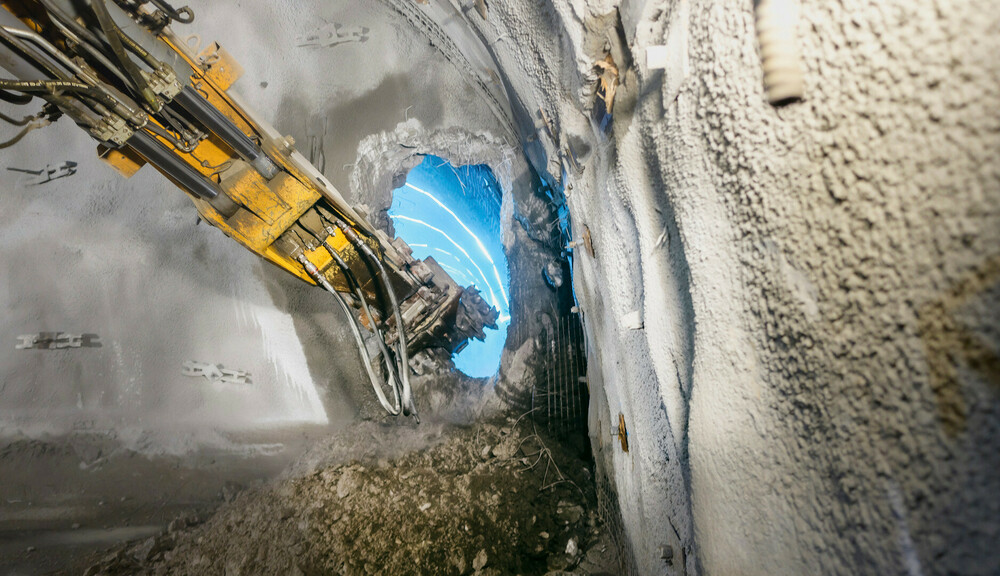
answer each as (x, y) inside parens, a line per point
(814, 389)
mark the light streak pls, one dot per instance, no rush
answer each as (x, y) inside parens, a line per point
(457, 245)
(445, 252)
(456, 274)
(482, 248)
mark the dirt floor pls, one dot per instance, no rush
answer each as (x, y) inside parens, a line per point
(64, 499)
(490, 498)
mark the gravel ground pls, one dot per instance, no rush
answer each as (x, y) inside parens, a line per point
(492, 498)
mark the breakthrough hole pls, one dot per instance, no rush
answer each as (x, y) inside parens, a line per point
(452, 215)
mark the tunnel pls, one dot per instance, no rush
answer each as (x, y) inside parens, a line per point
(743, 258)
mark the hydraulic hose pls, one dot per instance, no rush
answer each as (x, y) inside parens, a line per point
(183, 15)
(14, 98)
(46, 86)
(392, 408)
(112, 33)
(55, 86)
(175, 141)
(352, 237)
(92, 51)
(356, 286)
(137, 49)
(181, 172)
(45, 45)
(57, 14)
(83, 39)
(37, 59)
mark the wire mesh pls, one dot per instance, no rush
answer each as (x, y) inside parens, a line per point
(560, 397)
(558, 402)
(611, 518)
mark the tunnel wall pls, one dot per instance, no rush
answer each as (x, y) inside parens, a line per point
(794, 310)
(125, 259)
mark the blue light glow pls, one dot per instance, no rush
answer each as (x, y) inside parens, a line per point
(453, 215)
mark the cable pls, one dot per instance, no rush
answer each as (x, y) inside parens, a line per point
(408, 406)
(37, 123)
(175, 14)
(22, 122)
(18, 99)
(113, 35)
(394, 407)
(356, 286)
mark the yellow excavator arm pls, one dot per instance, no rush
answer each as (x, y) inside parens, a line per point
(243, 176)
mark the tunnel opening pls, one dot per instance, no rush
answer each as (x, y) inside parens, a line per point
(452, 214)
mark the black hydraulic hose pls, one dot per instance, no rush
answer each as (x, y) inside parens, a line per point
(175, 14)
(36, 58)
(54, 86)
(127, 109)
(356, 286)
(85, 40)
(352, 237)
(137, 49)
(56, 13)
(15, 98)
(114, 40)
(185, 132)
(95, 49)
(186, 147)
(50, 86)
(392, 408)
(182, 126)
(95, 97)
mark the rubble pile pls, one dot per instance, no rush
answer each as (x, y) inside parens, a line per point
(491, 499)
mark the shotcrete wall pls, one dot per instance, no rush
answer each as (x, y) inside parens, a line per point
(794, 310)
